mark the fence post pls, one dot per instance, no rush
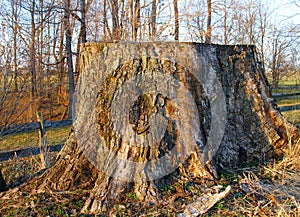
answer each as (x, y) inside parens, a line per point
(43, 141)
(2, 182)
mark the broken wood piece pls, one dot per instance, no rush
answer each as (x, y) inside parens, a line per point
(204, 203)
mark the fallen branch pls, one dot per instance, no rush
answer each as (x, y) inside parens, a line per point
(204, 203)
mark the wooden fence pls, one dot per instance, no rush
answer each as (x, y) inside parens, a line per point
(286, 95)
(289, 108)
(22, 128)
(26, 152)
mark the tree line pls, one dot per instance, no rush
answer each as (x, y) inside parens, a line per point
(40, 42)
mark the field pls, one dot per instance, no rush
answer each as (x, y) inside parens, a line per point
(31, 139)
(288, 85)
(269, 189)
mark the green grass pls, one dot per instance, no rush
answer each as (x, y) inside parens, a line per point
(292, 116)
(290, 81)
(286, 88)
(288, 101)
(31, 139)
(16, 171)
(287, 84)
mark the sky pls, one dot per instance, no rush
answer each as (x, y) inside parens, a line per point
(284, 10)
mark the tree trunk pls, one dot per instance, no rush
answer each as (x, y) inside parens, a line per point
(69, 55)
(83, 22)
(136, 20)
(115, 19)
(153, 18)
(176, 32)
(208, 24)
(33, 53)
(146, 111)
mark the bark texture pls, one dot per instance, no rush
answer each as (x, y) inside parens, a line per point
(149, 110)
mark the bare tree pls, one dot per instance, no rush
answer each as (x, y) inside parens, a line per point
(282, 50)
(115, 19)
(209, 25)
(83, 22)
(153, 18)
(136, 19)
(194, 17)
(69, 56)
(9, 99)
(106, 29)
(176, 33)
(263, 22)
(15, 19)
(32, 51)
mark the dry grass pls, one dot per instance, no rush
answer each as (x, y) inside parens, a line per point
(279, 184)
(289, 167)
(266, 198)
(17, 171)
(272, 189)
(292, 116)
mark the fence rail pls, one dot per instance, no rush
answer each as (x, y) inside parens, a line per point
(282, 95)
(289, 108)
(26, 152)
(22, 128)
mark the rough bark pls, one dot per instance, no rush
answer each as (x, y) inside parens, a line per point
(169, 92)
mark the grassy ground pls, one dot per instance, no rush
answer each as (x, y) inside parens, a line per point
(289, 84)
(17, 171)
(293, 116)
(31, 139)
(288, 101)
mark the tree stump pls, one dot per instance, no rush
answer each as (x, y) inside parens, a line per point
(147, 110)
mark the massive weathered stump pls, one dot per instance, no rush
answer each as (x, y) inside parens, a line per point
(147, 110)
